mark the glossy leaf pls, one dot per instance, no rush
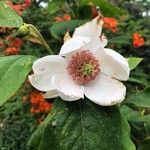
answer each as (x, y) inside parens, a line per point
(133, 62)
(144, 145)
(82, 125)
(13, 72)
(58, 30)
(54, 5)
(8, 17)
(141, 99)
(138, 81)
(133, 115)
(106, 7)
(120, 40)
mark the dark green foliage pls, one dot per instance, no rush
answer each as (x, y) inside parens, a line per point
(17, 124)
(106, 7)
(58, 30)
(84, 125)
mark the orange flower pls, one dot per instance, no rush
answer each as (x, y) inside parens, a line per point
(11, 51)
(137, 40)
(26, 4)
(16, 42)
(19, 7)
(110, 23)
(15, 7)
(66, 17)
(13, 45)
(39, 105)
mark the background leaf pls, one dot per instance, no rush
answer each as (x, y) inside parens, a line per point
(107, 8)
(55, 5)
(13, 72)
(58, 30)
(133, 62)
(144, 146)
(133, 115)
(120, 40)
(8, 17)
(83, 125)
(141, 99)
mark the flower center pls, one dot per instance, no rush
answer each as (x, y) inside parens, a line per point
(83, 67)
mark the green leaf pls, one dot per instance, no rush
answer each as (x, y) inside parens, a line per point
(133, 62)
(8, 17)
(83, 125)
(13, 72)
(34, 140)
(107, 8)
(58, 30)
(133, 115)
(144, 146)
(138, 81)
(55, 5)
(120, 40)
(141, 99)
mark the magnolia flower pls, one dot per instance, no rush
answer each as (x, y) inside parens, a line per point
(83, 68)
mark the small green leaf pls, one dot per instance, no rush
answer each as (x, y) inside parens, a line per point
(8, 17)
(83, 125)
(13, 72)
(145, 143)
(58, 30)
(55, 5)
(120, 40)
(133, 62)
(141, 99)
(133, 115)
(138, 81)
(144, 146)
(106, 7)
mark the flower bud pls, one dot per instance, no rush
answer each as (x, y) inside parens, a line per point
(23, 30)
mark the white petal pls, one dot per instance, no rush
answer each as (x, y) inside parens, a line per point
(73, 44)
(105, 91)
(68, 90)
(41, 82)
(95, 43)
(93, 30)
(51, 94)
(90, 29)
(51, 64)
(113, 64)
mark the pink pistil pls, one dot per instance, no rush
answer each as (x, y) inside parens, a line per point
(83, 67)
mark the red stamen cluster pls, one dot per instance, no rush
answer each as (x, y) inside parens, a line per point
(110, 23)
(66, 17)
(19, 7)
(39, 105)
(76, 64)
(138, 40)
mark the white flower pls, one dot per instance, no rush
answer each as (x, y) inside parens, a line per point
(83, 68)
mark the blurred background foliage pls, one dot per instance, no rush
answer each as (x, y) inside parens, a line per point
(53, 18)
